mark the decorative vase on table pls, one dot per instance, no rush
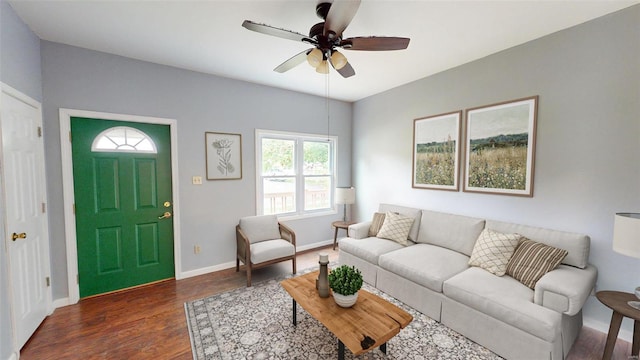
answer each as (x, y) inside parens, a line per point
(322, 282)
(345, 301)
(345, 281)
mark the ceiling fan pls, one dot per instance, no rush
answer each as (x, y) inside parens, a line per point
(326, 37)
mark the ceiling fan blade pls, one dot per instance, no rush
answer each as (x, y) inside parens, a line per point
(273, 31)
(292, 62)
(340, 15)
(346, 71)
(375, 43)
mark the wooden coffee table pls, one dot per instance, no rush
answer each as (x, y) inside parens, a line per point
(368, 324)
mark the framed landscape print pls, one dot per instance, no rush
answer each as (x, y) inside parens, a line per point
(223, 155)
(500, 148)
(436, 151)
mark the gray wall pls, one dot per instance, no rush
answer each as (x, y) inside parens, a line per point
(88, 80)
(588, 138)
(20, 69)
(588, 79)
(20, 57)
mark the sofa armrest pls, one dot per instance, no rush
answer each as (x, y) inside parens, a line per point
(566, 288)
(359, 230)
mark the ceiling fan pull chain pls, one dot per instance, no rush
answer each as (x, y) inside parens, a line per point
(328, 106)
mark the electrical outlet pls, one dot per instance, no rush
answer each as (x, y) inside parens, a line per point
(196, 249)
(196, 180)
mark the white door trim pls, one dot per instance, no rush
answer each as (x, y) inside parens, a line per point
(45, 233)
(68, 192)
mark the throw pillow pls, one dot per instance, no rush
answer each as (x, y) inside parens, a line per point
(396, 227)
(493, 250)
(376, 224)
(532, 260)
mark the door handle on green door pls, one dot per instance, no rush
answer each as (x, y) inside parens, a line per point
(15, 236)
(166, 215)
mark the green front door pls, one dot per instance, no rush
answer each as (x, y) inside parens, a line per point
(123, 204)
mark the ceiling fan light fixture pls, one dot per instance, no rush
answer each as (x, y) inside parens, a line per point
(338, 60)
(314, 58)
(323, 68)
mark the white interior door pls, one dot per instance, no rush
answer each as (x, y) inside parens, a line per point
(26, 222)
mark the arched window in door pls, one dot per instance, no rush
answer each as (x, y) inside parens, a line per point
(125, 139)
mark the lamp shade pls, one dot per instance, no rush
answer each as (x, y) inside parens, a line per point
(626, 234)
(314, 57)
(323, 68)
(345, 195)
(338, 60)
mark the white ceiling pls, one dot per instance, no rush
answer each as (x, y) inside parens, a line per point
(207, 36)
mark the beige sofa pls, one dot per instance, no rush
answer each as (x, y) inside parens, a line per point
(432, 275)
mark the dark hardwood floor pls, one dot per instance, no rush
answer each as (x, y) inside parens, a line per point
(149, 322)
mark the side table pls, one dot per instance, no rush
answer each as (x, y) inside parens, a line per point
(340, 225)
(617, 301)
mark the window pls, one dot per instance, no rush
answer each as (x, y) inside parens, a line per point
(295, 173)
(125, 139)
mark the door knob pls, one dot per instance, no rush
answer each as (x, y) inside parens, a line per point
(166, 215)
(15, 236)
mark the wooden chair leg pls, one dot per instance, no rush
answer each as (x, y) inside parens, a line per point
(248, 274)
(294, 264)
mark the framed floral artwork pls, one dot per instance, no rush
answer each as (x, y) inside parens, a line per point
(223, 155)
(436, 151)
(500, 148)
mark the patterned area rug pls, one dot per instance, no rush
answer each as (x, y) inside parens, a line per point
(255, 323)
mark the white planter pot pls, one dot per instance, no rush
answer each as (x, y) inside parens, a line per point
(345, 301)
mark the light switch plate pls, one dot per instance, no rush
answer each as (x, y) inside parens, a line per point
(196, 180)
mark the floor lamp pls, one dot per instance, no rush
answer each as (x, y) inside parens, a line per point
(345, 196)
(626, 241)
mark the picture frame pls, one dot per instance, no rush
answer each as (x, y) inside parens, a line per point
(223, 152)
(500, 147)
(436, 151)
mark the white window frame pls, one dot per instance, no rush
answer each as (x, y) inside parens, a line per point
(123, 147)
(299, 139)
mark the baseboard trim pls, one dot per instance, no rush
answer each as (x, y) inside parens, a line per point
(604, 328)
(58, 303)
(317, 245)
(232, 264)
(207, 270)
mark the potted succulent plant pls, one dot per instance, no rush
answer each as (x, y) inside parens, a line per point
(345, 281)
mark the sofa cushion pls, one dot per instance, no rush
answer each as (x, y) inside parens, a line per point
(368, 249)
(271, 249)
(455, 232)
(503, 298)
(406, 211)
(493, 250)
(576, 244)
(532, 260)
(376, 224)
(260, 228)
(424, 264)
(396, 227)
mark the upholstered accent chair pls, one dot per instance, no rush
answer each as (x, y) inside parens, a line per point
(262, 241)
